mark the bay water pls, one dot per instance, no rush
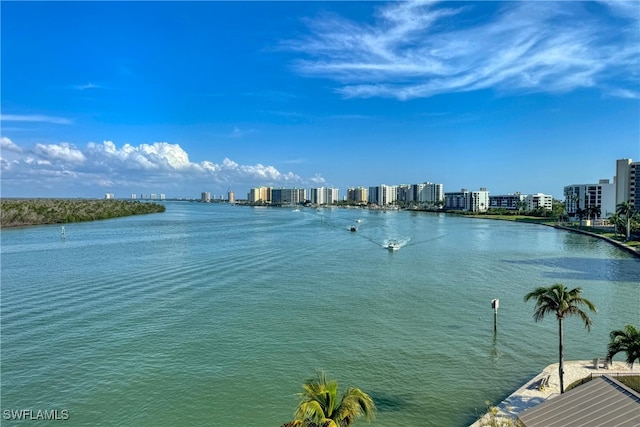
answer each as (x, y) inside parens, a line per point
(215, 314)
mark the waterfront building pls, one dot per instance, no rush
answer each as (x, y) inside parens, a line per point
(582, 196)
(231, 197)
(465, 200)
(324, 196)
(634, 184)
(358, 195)
(109, 196)
(162, 196)
(134, 196)
(288, 196)
(383, 195)
(535, 201)
(259, 195)
(507, 201)
(404, 193)
(205, 197)
(628, 182)
(427, 193)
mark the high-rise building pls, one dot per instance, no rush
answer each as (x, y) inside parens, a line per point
(324, 196)
(231, 197)
(288, 196)
(358, 195)
(205, 196)
(387, 194)
(628, 182)
(428, 193)
(259, 195)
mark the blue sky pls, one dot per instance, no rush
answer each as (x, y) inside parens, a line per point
(180, 98)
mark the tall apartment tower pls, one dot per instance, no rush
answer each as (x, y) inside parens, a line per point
(358, 195)
(628, 182)
(623, 172)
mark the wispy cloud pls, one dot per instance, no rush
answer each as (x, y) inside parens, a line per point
(35, 118)
(239, 133)
(419, 49)
(87, 86)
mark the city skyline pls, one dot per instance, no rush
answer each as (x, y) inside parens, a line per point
(181, 98)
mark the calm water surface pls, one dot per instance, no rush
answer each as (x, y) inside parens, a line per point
(215, 314)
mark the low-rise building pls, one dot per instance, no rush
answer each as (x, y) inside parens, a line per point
(579, 197)
(535, 201)
(514, 201)
(465, 200)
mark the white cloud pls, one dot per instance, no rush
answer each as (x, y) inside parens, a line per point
(34, 118)
(130, 167)
(64, 152)
(7, 144)
(418, 49)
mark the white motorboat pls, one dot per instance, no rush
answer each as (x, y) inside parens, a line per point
(393, 245)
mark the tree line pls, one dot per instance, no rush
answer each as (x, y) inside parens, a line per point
(23, 212)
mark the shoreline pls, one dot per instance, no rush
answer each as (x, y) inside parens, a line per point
(529, 395)
(617, 243)
(622, 245)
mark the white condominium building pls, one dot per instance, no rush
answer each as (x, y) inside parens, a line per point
(628, 182)
(583, 196)
(383, 194)
(324, 196)
(535, 201)
(465, 200)
(428, 192)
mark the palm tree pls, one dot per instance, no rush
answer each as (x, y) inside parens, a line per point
(563, 302)
(627, 210)
(627, 340)
(320, 405)
(615, 220)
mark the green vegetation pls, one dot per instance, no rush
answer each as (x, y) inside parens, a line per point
(22, 212)
(625, 340)
(563, 302)
(320, 405)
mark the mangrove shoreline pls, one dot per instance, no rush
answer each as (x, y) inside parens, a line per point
(30, 212)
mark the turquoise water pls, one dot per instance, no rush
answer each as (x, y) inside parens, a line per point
(213, 314)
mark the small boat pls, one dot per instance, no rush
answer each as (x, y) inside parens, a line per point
(353, 228)
(392, 245)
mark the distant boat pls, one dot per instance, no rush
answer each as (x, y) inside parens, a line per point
(296, 210)
(392, 245)
(353, 228)
(358, 220)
